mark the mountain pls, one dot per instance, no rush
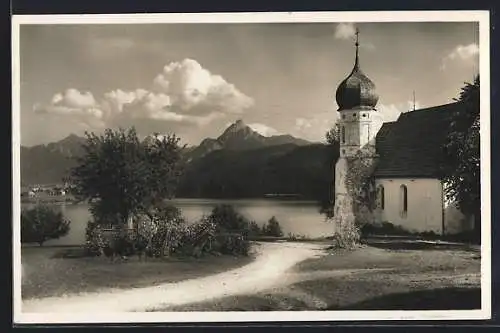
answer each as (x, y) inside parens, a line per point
(48, 164)
(303, 171)
(239, 136)
(239, 163)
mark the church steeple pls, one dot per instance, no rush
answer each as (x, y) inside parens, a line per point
(357, 90)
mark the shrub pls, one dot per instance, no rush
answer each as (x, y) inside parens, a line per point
(232, 244)
(254, 229)
(41, 223)
(94, 242)
(384, 228)
(166, 231)
(227, 219)
(272, 228)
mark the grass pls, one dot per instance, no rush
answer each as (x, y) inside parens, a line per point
(385, 276)
(57, 271)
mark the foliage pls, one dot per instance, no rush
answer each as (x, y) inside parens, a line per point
(356, 208)
(347, 232)
(227, 219)
(272, 228)
(461, 164)
(41, 223)
(333, 135)
(254, 230)
(164, 232)
(384, 228)
(360, 185)
(94, 242)
(122, 176)
(327, 198)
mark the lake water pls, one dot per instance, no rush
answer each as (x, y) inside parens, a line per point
(297, 217)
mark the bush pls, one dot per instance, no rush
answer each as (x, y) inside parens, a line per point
(384, 228)
(232, 244)
(166, 231)
(272, 228)
(227, 219)
(41, 223)
(94, 242)
(254, 229)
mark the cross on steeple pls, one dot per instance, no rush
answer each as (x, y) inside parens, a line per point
(356, 63)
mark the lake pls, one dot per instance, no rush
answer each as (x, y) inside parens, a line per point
(297, 217)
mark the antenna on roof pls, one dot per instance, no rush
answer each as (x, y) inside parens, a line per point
(414, 100)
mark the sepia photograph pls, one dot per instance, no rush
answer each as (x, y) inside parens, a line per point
(251, 167)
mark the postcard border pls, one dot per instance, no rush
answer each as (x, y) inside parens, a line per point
(293, 17)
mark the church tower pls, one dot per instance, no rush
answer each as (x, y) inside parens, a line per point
(358, 122)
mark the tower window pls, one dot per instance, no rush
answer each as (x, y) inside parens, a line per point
(364, 115)
(343, 134)
(404, 201)
(354, 115)
(343, 116)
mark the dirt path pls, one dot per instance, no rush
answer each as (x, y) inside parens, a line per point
(267, 271)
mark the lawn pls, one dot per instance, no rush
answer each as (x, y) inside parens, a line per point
(404, 275)
(48, 272)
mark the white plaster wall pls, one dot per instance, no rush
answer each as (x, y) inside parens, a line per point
(424, 204)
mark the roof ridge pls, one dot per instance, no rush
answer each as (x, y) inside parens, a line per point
(432, 107)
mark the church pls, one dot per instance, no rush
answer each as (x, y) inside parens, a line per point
(403, 158)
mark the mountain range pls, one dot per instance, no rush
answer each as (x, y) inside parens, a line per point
(239, 163)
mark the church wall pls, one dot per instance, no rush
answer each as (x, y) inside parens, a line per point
(424, 204)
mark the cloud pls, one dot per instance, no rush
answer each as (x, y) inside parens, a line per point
(183, 93)
(391, 112)
(464, 54)
(345, 30)
(190, 86)
(263, 129)
(314, 128)
(80, 105)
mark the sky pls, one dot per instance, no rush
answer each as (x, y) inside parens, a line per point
(195, 79)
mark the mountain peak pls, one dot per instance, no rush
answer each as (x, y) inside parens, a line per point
(238, 125)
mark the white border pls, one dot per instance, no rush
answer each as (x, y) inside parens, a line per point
(184, 317)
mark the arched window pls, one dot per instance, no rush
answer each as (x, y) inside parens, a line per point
(404, 200)
(381, 197)
(343, 134)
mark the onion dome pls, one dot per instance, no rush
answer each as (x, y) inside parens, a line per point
(357, 91)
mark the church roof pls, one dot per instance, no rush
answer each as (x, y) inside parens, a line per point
(412, 146)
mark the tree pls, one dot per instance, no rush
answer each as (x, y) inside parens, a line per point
(327, 200)
(461, 163)
(333, 135)
(272, 228)
(122, 176)
(41, 223)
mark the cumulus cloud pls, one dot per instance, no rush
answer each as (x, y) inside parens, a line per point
(183, 93)
(465, 54)
(71, 102)
(345, 30)
(191, 85)
(263, 129)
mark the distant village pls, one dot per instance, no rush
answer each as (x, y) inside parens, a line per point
(46, 192)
